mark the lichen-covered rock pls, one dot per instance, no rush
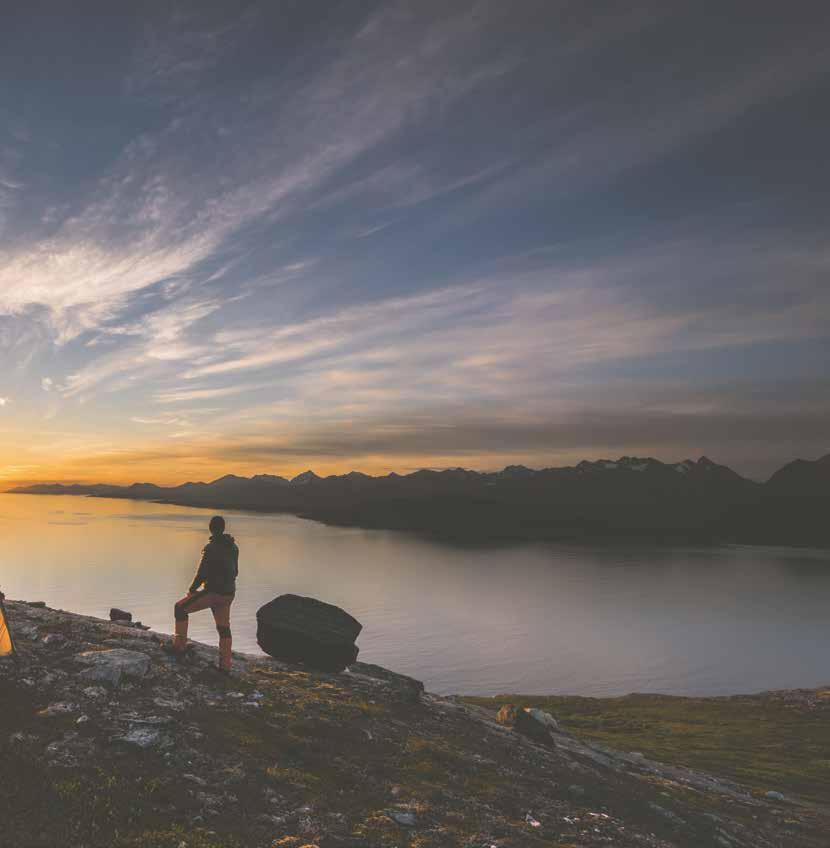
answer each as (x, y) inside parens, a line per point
(141, 737)
(110, 666)
(304, 630)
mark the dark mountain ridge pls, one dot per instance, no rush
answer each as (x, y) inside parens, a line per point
(630, 497)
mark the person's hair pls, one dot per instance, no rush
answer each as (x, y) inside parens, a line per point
(217, 525)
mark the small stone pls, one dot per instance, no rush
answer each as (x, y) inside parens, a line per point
(775, 796)
(120, 615)
(194, 778)
(403, 819)
(57, 709)
(54, 640)
(95, 692)
(82, 719)
(169, 704)
(141, 737)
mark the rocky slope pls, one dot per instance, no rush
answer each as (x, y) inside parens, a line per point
(105, 741)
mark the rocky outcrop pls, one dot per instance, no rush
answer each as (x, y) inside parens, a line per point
(277, 755)
(308, 631)
(403, 687)
(109, 666)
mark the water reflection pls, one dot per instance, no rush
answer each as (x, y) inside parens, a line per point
(532, 618)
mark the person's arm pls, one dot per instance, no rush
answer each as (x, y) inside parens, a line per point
(200, 573)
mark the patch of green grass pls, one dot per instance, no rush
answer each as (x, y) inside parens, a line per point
(760, 741)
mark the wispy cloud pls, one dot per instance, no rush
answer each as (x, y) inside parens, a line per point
(409, 223)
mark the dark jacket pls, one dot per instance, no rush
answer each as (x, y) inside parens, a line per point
(219, 566)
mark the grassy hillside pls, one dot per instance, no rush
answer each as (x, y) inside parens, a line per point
(778, 741)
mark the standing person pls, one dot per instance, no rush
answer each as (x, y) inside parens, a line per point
(217, 570)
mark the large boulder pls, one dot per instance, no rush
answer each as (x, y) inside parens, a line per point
(305, 630)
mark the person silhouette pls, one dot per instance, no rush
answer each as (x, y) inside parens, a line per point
(217, 572)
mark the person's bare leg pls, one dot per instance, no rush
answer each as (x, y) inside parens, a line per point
(188, 604)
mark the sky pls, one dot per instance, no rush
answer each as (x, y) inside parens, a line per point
(265, 236)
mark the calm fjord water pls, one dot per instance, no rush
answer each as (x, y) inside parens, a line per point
(526, 618)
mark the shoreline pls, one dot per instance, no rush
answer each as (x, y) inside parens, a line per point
(467, 541)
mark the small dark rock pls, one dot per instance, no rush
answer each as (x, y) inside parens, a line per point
(120, 615)
(36, 604)
(403, 819)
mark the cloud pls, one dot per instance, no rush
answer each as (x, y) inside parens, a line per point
(185, 395)
(152, 219)
(454, 213)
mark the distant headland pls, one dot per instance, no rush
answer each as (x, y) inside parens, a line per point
(627, 498)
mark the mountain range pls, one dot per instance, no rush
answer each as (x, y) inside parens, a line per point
(630, 497)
